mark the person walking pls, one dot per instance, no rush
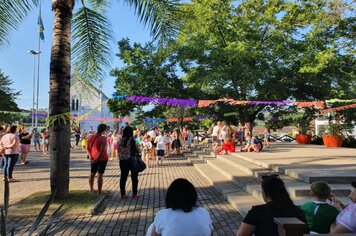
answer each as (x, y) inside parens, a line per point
(36, 139)
(45, 138)
(77, 136)
(127, 148)
(11, 144)
(98, 155)
(25, 142)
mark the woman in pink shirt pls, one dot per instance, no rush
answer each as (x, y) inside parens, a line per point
(10, 143)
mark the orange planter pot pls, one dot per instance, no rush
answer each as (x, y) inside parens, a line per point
(303, 138)
(332, 140)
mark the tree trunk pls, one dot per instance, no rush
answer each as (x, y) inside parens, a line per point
(59, 97)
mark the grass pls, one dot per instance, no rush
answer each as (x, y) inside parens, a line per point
(80, 202)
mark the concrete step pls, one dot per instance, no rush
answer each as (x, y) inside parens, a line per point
(235, 194)
(242, 172)
(195, 160)
(246, 166)
(303, 172)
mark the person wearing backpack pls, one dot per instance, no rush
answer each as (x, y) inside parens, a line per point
(98, 155)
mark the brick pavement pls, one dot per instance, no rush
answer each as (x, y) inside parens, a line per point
(121, 217)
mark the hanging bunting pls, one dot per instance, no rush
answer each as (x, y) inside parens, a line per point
(184, 103)
(318, 105)
(335, 109)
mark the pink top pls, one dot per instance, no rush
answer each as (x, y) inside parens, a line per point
(7, 140)
(347, 218)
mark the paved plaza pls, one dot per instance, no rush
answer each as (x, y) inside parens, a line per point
(121, 217)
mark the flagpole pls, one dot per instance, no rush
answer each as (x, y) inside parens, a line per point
(38, 69)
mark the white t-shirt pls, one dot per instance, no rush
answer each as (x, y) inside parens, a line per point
(152, 134)
(161, 142)
(178, 223)
(347, 218)
(216, 130)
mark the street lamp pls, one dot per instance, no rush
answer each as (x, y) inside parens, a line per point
(34, 53)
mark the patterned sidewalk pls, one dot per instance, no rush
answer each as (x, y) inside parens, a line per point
(121, 217)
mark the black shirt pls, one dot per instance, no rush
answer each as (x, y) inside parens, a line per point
(24, 141)
(262, 216)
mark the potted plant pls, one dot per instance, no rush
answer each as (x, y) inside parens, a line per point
(303, 124)
(333, 136)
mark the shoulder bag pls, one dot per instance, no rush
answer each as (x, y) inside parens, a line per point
(138, 165)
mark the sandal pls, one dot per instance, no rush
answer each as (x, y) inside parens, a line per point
(137, 196)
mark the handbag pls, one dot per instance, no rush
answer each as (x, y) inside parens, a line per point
(138, 165)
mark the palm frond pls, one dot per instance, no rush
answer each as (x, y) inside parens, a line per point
(12, 13)
(85, 86)
(2, 223)
(42, 213)
(159, 15)
(6, 196)
(58, 213)
(92, 35)
(100, 5)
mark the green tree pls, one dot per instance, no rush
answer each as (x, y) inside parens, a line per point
(267, 50)
(7, 99)
(91, 36)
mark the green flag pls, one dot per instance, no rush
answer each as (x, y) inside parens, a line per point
(40, 26)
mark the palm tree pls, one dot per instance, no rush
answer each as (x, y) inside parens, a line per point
(91, 57)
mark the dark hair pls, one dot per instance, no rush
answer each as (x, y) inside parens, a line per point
(127, 133)
(274, 188)
(101, 128)
(321, 189)
(13, 129)
(353, 184)
(1, 128)
(181, 194)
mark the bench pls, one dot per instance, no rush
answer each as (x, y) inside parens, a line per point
(294, 227)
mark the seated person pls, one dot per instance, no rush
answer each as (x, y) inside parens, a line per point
(181, 216)
(346, 220)
(320, 215)
(252, 145)
(239, 136)
(259, 220)
(228, 146)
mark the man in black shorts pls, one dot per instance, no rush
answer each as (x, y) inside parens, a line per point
(98, 155)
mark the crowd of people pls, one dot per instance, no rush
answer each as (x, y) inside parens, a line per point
(325, 213)
(225, 139)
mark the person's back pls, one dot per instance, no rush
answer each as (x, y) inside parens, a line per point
(262, 217)
(319, 214)
(179, 223)
(182, 217)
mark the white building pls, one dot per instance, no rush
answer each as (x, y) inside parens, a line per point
(89, 101)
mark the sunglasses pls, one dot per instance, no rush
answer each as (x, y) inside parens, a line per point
(269, 176)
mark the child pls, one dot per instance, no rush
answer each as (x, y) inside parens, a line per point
(85, 141)
(228, 146)
(320, 215)
(266, 138)
(146, 149)
(161, 142)
(252, 145)
(169, 141)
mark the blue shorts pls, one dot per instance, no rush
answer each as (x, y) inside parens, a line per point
(36, 140)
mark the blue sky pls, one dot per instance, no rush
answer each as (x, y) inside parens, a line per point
(18, 64)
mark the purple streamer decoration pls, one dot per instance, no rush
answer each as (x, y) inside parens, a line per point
(279, 103)
(164, 101)
(40, 115)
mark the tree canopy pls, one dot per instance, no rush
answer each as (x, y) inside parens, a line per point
(7, 99)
